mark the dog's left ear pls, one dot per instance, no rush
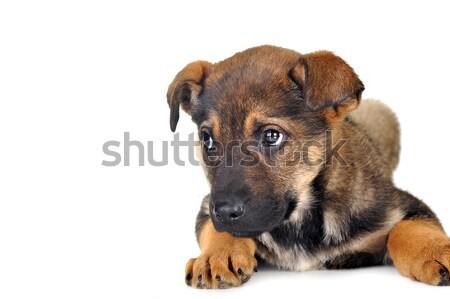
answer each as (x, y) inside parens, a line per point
(328, 84)
(185, 88)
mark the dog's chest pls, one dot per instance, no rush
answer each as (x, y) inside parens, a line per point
(304, 241)
(294, 244)
(290, 258)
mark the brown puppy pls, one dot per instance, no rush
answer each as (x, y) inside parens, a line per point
(296, 180)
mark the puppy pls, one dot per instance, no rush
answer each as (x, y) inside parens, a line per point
(297, 181)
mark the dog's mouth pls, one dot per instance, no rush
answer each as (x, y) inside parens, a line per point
(250, 225)
(246, 234)
(257, 219)
(241, 231)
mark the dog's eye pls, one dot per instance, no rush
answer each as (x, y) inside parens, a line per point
(207, 140)
(272, 138)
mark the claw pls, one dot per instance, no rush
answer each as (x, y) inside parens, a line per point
(444, 282)
(188, 278)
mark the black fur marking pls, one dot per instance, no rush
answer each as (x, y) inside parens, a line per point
(415, 208)
(354, 260)
(367, 221)
(185, 94)
(310, 235)
(292, 204)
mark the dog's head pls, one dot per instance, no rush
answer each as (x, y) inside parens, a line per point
(262, 117)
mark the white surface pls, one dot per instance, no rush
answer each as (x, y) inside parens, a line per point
(76, 74)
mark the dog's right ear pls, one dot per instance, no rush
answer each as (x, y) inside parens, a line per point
(329, 85)
(185, 88)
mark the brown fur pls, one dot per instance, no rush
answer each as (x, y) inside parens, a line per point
(421, 250)
(327, 80)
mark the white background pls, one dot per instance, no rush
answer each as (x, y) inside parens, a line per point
(76, 74)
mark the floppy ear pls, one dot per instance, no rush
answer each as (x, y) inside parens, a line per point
(327, 81)
(185, 88)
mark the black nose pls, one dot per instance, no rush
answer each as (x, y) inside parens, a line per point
(228, 212)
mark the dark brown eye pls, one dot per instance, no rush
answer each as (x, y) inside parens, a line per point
(207, 140)
(272, 138)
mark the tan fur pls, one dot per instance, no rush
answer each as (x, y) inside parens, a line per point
(420, 250)
(382, 126)
(335, 114)
(213, 122)
(225, 260)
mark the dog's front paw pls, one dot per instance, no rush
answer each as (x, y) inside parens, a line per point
(221, 267)
(434, 269)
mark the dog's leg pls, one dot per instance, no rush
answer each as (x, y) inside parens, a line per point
(420, 250)
(225, 261)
